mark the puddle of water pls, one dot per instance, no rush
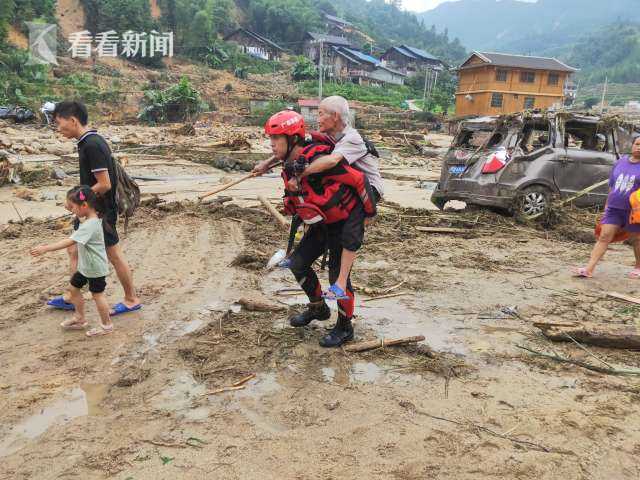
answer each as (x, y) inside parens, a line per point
(179, 395)
(77, 402)
(190, 326)
(392, 319)
(328, 374)
(364, 372)
(264, 384)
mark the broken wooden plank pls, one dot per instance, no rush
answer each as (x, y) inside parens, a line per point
(626, 298)
(381, 343)
(442, 230)
(598, 334)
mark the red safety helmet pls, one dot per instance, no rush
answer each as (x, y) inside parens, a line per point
(287, 123)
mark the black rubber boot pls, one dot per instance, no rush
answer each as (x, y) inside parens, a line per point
(341, 333)
(315, 311)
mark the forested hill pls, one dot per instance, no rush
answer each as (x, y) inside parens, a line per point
(524, 27)
(287, 20)
(612, 52)
(199, 23)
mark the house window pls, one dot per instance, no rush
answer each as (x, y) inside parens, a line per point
(553, 79)
(496, 100)
(529, 102)
(527, 77)
(501, 75)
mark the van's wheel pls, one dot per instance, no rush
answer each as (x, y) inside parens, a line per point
(534, 200)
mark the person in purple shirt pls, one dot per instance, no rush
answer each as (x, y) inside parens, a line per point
(624, 180)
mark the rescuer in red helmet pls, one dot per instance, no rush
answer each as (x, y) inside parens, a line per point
(324, 202)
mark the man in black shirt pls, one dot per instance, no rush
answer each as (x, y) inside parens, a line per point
(97, 170)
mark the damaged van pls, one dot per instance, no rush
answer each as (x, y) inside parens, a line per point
(520, 162)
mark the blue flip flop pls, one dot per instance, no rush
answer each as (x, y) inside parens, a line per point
(120, 308)
(61, 304)
(335, 293)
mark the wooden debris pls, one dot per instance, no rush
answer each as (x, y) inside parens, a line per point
(373, 344)
(579, 363)
(225, 389)
(390, 295)
(599, 334)
(626, 298)
(274, 213)
(257, 306)
(442, 230)
(244, 380)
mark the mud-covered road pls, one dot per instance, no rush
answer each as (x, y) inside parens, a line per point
(145, 402)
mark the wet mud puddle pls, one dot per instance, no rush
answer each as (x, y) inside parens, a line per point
(77, 402)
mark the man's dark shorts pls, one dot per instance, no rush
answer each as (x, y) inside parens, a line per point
(111, 237)
(353, 229)
(96, 285)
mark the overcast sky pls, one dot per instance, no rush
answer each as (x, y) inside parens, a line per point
(423, 5)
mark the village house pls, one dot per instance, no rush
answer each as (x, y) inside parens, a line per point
(497, 83)
(348, 64)
(410, 60)
(315, 42)
(254, 44)
(337, 26)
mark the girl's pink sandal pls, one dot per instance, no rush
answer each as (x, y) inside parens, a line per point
(101, 330)
(581, 272)
(634, 274)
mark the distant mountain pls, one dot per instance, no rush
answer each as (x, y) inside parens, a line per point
(519, 27)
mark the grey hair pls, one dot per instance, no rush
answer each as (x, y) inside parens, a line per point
(339, 105)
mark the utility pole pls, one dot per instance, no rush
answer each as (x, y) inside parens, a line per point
(432, 87)
(320, 75)
(604, 94)
(424, 93)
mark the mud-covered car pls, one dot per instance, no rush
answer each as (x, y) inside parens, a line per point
(519, 162)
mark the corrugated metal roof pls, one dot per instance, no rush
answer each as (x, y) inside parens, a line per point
(329, 39)
(523, 61)
(362, 56)
(405, 52)
(420, 53)
(308, 102)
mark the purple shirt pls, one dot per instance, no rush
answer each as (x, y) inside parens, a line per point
(624, 180)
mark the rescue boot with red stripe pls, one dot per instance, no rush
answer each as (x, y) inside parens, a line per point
(341, 333)
(315, 311)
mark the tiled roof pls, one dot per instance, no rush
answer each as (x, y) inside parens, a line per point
(523, 61)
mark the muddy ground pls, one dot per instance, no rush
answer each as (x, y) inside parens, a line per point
(146, 401)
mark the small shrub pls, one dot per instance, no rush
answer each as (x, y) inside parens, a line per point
(179, 102)
(303, 69)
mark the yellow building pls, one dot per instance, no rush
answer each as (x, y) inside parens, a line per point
(497, 83)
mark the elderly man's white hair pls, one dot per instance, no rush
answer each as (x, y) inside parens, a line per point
(339, 105)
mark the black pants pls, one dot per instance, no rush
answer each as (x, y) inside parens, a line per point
(317, 240)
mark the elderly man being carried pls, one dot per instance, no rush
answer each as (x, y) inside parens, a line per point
(326, 202)
(333, 120)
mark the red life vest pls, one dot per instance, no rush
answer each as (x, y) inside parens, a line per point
(329, 196)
